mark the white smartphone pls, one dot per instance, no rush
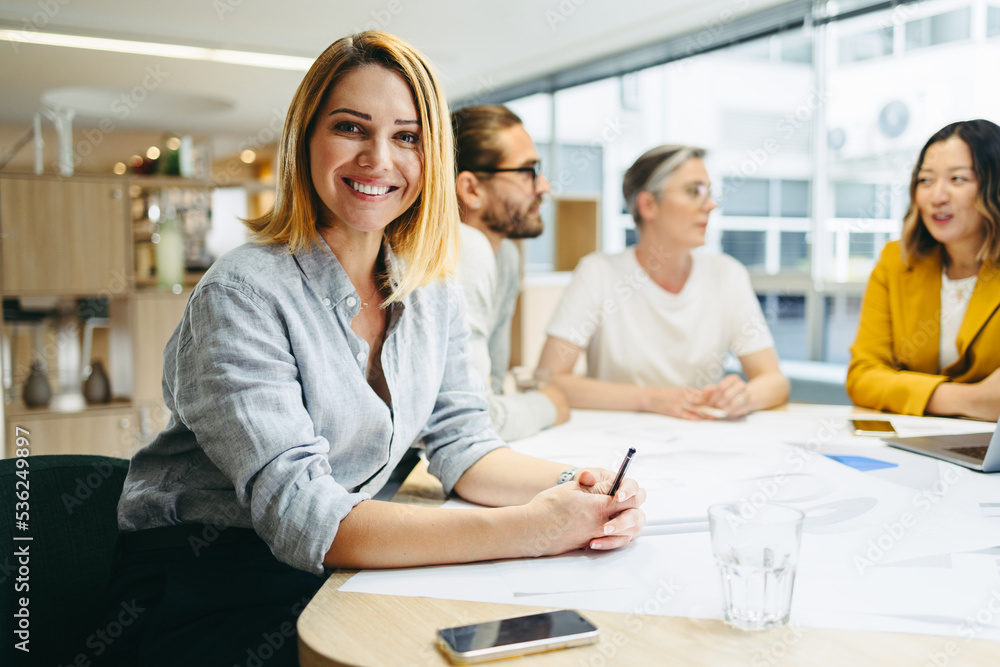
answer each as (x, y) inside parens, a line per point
(876, 427)
(521, 635)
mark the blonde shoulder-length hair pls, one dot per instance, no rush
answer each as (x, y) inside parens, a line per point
(425, 237)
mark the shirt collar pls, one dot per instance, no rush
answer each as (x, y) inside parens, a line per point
(323, 271)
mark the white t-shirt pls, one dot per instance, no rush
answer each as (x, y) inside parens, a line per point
(636, 332)
(491, 283)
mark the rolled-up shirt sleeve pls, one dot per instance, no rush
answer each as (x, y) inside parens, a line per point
(236, 385)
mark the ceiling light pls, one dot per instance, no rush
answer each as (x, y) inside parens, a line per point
(119, 168)
(248, 156)
(268, 60)
(153, 153)
(173, 143)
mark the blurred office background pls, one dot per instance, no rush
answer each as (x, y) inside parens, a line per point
(813, 112)
(813, 115)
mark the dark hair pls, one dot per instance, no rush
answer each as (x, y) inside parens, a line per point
(983, 139)
(477, 130)
(651, 170)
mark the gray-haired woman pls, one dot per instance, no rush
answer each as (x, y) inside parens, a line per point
(657, 320)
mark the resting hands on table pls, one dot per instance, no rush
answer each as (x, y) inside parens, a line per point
(526, 514)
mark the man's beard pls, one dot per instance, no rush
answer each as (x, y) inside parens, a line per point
(505, 219)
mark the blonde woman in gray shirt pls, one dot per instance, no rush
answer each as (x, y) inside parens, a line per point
(304, 367)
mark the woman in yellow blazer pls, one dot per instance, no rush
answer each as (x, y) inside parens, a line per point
(929, 337)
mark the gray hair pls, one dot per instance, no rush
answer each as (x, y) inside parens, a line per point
(650, 172)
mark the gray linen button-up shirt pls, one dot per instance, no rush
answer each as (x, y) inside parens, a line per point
(273, 424)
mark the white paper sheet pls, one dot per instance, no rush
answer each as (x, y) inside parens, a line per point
(875, 554)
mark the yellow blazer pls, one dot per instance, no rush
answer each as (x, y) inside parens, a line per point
(894, 359)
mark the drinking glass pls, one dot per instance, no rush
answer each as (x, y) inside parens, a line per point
(756, 550)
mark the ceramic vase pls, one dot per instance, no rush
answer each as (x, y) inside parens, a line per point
(97, 388)
(36, 391)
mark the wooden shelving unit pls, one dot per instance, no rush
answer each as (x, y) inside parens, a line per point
(66, 239)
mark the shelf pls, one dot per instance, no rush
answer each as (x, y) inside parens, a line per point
(150, 285)
(105, 251)
(19, 409)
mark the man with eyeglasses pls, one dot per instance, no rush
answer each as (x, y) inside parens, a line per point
(500, 190)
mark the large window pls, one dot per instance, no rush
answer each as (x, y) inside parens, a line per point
(992, 21)
(946, 27)
(811, 134)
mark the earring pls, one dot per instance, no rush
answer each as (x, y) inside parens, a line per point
(477, 205)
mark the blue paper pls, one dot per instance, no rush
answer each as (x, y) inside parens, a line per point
(862, 463)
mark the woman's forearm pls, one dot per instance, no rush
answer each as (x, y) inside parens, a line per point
(504, 477)
(559, 356)
(590, 394)
(379, 534)
(768, 390)
(965, 400)
(557, 519)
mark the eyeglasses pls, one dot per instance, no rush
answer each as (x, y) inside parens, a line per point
(700, 192)
(534, 170)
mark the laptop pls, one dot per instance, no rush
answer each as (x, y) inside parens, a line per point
(978, 451)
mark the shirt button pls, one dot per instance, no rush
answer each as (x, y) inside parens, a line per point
(351, 301)
(361, 356)
(326, 302)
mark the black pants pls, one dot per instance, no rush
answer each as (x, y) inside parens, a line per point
(227, 602)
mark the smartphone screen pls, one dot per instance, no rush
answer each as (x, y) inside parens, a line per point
(516, 636)
(872, 427)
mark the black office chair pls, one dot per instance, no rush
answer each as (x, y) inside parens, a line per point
(72, 520)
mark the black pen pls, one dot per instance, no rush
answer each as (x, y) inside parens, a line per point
(621, 472)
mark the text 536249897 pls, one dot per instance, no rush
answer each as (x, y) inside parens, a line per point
(22, 541)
